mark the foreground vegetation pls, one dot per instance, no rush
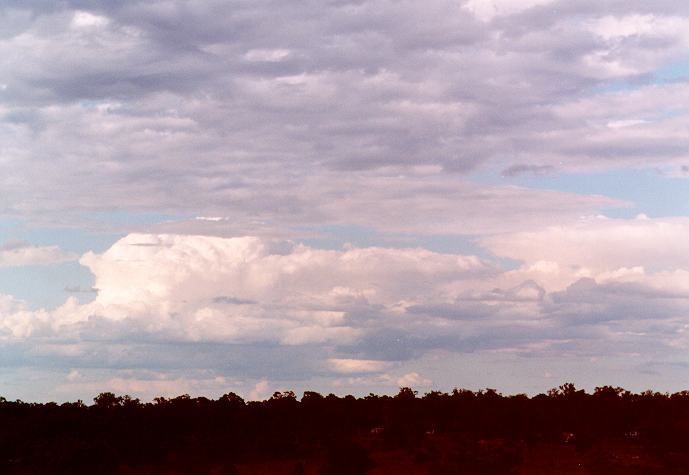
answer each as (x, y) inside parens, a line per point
(462, 432)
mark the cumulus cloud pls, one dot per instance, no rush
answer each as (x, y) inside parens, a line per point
(254, 308)
(280, 292)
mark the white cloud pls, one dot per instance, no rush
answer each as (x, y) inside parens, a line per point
(176, 268)
(82, 19)
(350, 366)
(413, 379)
(614, 27)
(260, 391)
(250, 304)
(22, 254)
(250, 290)
(486, 10)
(202, 288)
(616, 124)
(600, 244)
(269, 55)
(74, 375)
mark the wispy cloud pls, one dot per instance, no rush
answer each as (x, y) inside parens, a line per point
(19, 253)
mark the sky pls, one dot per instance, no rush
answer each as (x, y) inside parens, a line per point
(208, 196)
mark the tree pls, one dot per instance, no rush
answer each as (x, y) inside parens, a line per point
(107, 400)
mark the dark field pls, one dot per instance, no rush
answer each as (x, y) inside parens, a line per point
(566, 431)
(541, 459)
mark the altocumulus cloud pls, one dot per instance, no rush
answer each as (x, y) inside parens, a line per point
(220, 109)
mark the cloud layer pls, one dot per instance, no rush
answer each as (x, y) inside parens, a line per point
(337, 112)
(250, 309)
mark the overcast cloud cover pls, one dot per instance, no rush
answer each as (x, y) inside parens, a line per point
(342, 196)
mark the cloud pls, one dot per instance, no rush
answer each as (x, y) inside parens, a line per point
(174, 285)
(413, 379)
(209, 110)
(249, 309)
(387, 381)
(516, 170)
(486, 10)
(84, 19)
(16, 254)
(261, 390)
(75, 289)
(233, 301)
(374, 115)
(349, 366)
(598, 243)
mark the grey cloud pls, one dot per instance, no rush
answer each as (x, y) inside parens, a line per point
(454, 311)
(522, 169)
(386, 345)
(163, 105)
(233, 301)
(483, 305)
(643, 149)
(12, 245)
(76, 289)
(241, 361)
(586, 289)
(588, 302)
(585, 319)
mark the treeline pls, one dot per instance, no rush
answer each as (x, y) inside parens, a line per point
(120, 434)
